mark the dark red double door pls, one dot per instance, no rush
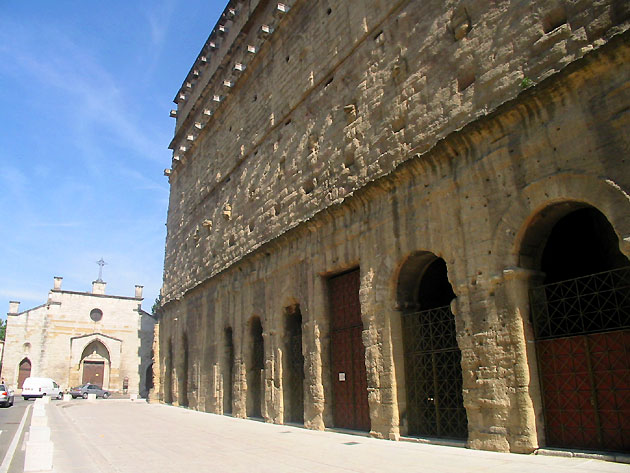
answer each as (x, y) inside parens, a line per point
(586, 390)
(350, 408)
(93, 372)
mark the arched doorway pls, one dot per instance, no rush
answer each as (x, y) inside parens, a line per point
(95, 364)
(168, 373)
(435, 406)
(228, 370)
(24, 371)
(148, 380)
(581, 319)
(255, 394)
(293, 386)
(182, 383)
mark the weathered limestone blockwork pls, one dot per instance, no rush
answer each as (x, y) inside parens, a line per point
(386, 136)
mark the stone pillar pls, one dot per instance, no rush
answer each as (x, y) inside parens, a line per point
(525, 427)
(240, 389)
(313, 314)
(155, 393)
(379, 361)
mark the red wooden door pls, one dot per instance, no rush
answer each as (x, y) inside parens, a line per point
(586, 390)
(350, 404)
(93, 372)
(25, 372)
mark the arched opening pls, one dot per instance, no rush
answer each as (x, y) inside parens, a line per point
(581, 319)
(228, 370)
(148, 380)
(183, 374)
(349, 375)
(255, 373)
(293, 386)
(95, 363)
(168, 373)
(435, 406)
(24, 371)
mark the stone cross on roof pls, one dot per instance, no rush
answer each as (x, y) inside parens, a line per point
(100, 263)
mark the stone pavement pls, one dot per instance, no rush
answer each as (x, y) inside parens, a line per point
(136, 437)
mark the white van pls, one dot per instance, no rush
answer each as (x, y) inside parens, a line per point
(40, 387)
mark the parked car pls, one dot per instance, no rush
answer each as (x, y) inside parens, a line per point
(6, 396)
(88, 388)
(40, 387)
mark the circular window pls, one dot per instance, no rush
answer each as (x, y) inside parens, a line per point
(96, 315)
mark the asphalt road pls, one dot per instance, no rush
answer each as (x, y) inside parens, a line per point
(10, 418)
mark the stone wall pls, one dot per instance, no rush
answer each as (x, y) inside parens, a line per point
(374, 135)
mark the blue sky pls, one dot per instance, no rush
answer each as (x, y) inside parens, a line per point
(85, 91)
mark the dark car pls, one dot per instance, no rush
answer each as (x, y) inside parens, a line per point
(88, 388)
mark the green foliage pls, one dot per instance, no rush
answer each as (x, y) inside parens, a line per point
(156, 305)
(526, 82)
(3, 328)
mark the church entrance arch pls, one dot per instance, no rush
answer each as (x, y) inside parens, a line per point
(581, 319)
(95, 363)
(24, 371)
(435, 406)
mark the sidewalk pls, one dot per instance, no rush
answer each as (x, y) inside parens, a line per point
(135, 437)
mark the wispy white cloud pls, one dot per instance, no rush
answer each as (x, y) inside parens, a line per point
(97, 103)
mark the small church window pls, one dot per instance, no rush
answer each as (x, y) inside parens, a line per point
(96, 315)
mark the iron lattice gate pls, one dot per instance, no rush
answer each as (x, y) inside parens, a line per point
(582, 329)
(348, 354)
(435, 406)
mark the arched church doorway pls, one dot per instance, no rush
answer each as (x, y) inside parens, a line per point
(24, 371)
(95, 364)
(293, 386)
(581, 319)
(255, 386)
(435, 406)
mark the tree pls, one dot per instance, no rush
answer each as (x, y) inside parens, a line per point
(156, 305)
(3, 328)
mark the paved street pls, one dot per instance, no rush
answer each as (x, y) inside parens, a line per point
(134, 437)
(10, 419)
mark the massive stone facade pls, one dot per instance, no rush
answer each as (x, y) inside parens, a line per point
(78, 337)
(363, 197)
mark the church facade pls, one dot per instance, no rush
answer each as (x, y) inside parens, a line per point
(80, 337)
(406, 218)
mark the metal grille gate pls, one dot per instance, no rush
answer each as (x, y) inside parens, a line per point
(582, 329)
(435, 406)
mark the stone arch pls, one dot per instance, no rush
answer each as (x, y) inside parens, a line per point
(293, 365)
(228, 369)
(183, 375)
(255, 364)
(95, 364)
(24, 371)
(562, 193)
(433, 405)
(168, 372)
(579, 306)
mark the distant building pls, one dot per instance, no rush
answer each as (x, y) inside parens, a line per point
(79, 337)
